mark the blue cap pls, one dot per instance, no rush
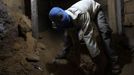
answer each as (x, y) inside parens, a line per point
(60, 17)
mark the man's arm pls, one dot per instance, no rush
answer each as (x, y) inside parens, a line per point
(103, 25)
(105, 32)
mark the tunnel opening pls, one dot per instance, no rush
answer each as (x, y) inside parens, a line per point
(43, 19)
(28, 8)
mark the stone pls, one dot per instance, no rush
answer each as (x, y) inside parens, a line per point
(32, 58)
(17, 46)
(41, 46)
(60, 61)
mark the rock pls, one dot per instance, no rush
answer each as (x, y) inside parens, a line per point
(32, 58)
(41, 46)
(24, 24)
(5, 55)
(17, 46)
(60, 61)
(8, 33)
(38, 67)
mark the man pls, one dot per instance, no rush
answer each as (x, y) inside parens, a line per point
(88, 18)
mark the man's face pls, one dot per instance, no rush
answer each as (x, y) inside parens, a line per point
(56, 20)
(60, 19)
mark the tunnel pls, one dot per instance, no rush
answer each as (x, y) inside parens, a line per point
(29, 45)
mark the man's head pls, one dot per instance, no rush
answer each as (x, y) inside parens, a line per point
(59, 17)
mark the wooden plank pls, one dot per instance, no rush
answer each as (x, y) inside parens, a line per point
(34, 16)
(119, 16)
(112, 15)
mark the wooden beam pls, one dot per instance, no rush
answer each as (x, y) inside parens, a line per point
(112, 15)
(119, 16)
(34, 16)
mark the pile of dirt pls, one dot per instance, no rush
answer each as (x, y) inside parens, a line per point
(18, 49)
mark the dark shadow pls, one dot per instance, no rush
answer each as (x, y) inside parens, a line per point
(71, 68)
(77, 56)
(59, 69)
(120, 44)
(27, 8)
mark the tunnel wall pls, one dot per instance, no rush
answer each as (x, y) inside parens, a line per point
(129, 12)
(16, 5)
(22, 6)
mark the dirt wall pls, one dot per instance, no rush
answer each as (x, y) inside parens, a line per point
(16, 5)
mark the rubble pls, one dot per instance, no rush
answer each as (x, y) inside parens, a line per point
(7, 32)
(16, 43)
(32, 58)
(41, 46)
